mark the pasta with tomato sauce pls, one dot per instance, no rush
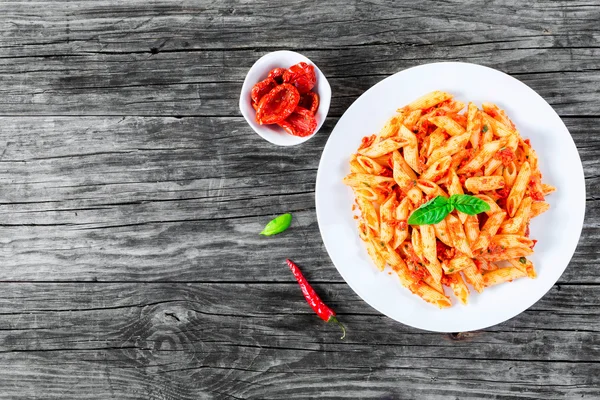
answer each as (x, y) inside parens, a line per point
(431, 148)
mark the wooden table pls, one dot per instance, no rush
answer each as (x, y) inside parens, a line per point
(132, 192)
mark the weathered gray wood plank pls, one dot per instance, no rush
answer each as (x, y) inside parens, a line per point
(95, 59)
(263, 341)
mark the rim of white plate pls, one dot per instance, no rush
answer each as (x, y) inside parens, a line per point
(370, 285)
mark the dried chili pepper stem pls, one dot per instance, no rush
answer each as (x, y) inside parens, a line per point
(315, 302)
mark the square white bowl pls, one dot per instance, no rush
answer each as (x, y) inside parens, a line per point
(259, 71)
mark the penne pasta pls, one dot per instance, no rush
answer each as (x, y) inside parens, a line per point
(451, 147)
(411, 151)
(539, 207)
(386, 217)
(437, 170)
(520, 220)
(474, 125)
(484, 155)
(379, 149)
(484, 183)
(474, 277)
(457, 235)
(452, 127)
(429, 100)
(518, 190)
(432, 148)
(489, 230)
(502, 275)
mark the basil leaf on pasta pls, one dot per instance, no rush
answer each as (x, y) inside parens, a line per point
(432, 212)
(468, 204)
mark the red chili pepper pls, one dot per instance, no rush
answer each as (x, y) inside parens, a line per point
(278, 104)
(326, 313)
(301, 75)
(262, 88)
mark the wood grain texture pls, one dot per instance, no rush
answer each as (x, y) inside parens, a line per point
(131, 194)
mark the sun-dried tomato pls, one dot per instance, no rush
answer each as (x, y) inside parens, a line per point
(301, 75)
(278, 104)
(310, 101)
(277, 75)
(261, 89)
(302, 122)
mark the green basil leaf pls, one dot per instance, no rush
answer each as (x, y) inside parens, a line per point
(277, 225)
(468, 204)
(432, 212)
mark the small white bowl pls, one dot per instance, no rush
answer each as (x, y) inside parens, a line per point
(258, 72)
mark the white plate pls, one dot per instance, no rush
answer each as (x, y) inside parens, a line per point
(258, 72)
(557, 230)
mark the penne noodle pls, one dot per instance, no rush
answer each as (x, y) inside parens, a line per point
(378, 149)
(355, 166)
(547, 189)
(539, 207)
(436, 138)
(378, 260)
(411, 119)
(521, 218)
(455, 187)
(391, 257)
(368, 213)
(510, 174)
(451, 147)
(452, 127)
(488, 231)
(494, 208)
(513, 252)
(441, 232)
(411, 151)
(498, 128)
(428, 243)
(457, 235)
(401, 229)
(416, 196)
(431, 189)
(391, 126)
(473, 125)
(474, 277)
(367, 180)
(484, 155)
(508, 240)
(437, 169)
(458, 263)
(431, 295)
(484, 183)
(437, 286)
(386, 216)
(405, 181)
(429, 100)
(459, 287)
(369, 165)
(518, 190)
(502, 275)
(471, 225)
(498, 114)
